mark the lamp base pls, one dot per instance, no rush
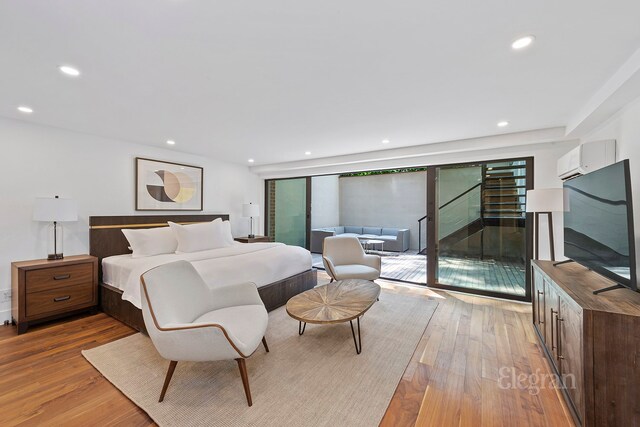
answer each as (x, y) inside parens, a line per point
(51, 257)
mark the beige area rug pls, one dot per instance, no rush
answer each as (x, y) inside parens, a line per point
(316, 379)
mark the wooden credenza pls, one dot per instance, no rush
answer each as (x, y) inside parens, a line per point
(592, 341)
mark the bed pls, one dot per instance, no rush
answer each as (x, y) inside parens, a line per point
(279, 271)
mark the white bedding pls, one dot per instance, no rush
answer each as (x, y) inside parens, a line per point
(261, 263)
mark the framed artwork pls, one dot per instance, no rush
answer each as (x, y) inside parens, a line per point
(167, 186)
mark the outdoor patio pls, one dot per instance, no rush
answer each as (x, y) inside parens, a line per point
(489, 275)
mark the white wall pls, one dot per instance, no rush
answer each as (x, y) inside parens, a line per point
(624, 127)
(392, 200)
(325, 201)
(40, 161)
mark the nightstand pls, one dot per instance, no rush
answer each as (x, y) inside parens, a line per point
(43, 290)
(255, 239)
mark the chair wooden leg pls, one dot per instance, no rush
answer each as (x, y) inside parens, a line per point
(167, 380)
(245, 379)
(264, 343)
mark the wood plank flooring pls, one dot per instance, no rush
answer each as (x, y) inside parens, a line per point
(45, 380)
(452, 378)
(462, 371)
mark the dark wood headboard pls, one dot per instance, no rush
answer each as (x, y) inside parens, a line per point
(106, 237)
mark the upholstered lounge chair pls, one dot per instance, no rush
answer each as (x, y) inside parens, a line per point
(187, 321)
(344, 258)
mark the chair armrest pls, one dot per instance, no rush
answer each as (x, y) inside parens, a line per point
(234, 295)
(329, 266)
(403, 237)
(373, 261)
(194, 342)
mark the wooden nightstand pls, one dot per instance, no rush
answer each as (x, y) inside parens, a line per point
(43, 290)
(255, 239)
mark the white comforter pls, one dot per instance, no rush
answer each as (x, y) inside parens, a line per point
(261, 263)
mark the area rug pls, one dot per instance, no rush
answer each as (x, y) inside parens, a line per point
(316, 379)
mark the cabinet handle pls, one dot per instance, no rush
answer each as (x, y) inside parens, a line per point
(558, 320)
(538, 311)
(64, 298)
(553, 345)
(61, 277)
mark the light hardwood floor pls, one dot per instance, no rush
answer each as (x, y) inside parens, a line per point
(452, 378)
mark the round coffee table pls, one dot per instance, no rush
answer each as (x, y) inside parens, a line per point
(337, 302)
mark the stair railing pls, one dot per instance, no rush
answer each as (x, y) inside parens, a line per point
(420, 249)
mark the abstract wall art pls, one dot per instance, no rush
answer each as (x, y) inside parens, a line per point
(167, 186)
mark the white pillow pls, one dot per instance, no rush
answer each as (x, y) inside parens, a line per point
(226, 230)
(199, 237)
(151, 241)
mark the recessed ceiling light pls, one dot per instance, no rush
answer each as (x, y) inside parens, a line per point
(171, 142)
(69, 71)
(522, 42)
(250, 160)
(25, 109)
(385, 141)
(307, 153)
(503, 123)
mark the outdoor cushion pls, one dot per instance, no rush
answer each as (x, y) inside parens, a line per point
(352, 229)
(387, 237)
(372, 230)
(368, 236)
(390, 231)
(350, 234)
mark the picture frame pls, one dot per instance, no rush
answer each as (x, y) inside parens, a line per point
(167, 186)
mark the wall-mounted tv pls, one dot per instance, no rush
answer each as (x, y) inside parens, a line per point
(598, 223)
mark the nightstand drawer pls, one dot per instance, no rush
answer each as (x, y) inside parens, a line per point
(54, 300)
(59, 277)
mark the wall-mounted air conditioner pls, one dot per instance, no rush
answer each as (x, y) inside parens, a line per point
(586, 158)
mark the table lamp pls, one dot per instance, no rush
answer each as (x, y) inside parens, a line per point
(249, 210)
(55, 210)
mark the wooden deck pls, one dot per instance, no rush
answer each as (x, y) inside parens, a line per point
(487, 275)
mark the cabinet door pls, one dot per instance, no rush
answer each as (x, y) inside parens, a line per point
(538, 303)
(570, 352)
(552, 306)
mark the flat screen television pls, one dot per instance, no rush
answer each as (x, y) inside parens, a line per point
(598, 223)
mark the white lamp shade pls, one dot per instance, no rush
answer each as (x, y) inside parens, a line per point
(545, 200)
(54, 209)
(250, 210)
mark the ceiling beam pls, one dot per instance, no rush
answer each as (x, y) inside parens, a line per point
(418, 155)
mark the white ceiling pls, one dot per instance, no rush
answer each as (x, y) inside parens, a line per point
(272, 79)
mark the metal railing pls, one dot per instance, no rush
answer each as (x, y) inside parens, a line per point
(468, 190)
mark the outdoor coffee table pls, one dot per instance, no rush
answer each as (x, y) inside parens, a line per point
(374, 242)
(337, 302)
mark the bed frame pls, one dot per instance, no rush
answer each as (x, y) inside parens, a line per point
(106, 239)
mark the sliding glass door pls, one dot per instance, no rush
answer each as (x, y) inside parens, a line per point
(288, 210)
(478, 236)
(478, 240)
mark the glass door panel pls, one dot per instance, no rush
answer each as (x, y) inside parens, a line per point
(288, 211)
(480, 228)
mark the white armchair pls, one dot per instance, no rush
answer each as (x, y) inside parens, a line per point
(344, 258)
(187, 321)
